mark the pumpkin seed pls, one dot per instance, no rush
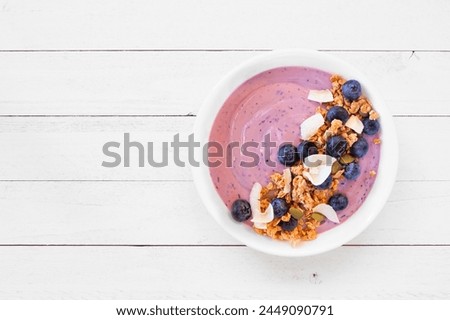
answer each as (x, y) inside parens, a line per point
(296, 212)
(317, 216)
(347, 158)
(336, 167)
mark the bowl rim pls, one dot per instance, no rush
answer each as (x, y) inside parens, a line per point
(337, 236)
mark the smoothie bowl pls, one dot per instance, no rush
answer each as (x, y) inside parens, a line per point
(302, 153)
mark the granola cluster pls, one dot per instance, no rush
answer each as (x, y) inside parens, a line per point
(303, 196)
(361, 107)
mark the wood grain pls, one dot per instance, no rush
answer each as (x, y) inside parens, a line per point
(171, 213)
(55, 148)
(217, 24)
(227, 273)
(177, 82)
(76, 74)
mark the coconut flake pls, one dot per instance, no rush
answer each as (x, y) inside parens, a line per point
(310, 126)
(320, 177)
(318, 168)
(320, 95)
(268, 214)
(264, 217)
(354, 123)
(258, 216)
(316, 160)
(327, 211)
(254, 198)
(287, 180)
(260, 225)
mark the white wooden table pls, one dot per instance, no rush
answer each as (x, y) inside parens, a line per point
(76, 74)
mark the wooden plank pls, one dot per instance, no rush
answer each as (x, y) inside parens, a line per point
(322, 24)
(148, 83)
(139, 213)
(71, 148)
(224, 272)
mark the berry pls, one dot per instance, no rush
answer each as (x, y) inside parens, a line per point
(338, 202)
(280, 207)
(351, 90)
(352, 171)
(337, 112)
(306, 149)
(371, 127)
(287, 154)
(241, 210)
(359, 148)
(289, 225)
(336, 146)
(326, 184)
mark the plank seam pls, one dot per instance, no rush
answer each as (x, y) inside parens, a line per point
(161, 180)
(188, 115)
(208, 245)
(213, 50)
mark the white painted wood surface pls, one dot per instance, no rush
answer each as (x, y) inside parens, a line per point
(175, 82)
(223, 272)
(218, 24)
(70, 148)
(124, 212)
(76, 74)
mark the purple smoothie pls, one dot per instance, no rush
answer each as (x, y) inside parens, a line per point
(275, 102)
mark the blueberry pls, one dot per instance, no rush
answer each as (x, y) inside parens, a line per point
(336, 146)
(351, 90)
(326, 184)
(352, 171)
(289, 225)
(338, 202)
(287, 154)
(306, 149)
(337, 112)
(359, 148)
(280, 207)
(371, 127)
(241, 210)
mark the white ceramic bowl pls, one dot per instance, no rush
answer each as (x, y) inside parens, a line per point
(340, 234)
